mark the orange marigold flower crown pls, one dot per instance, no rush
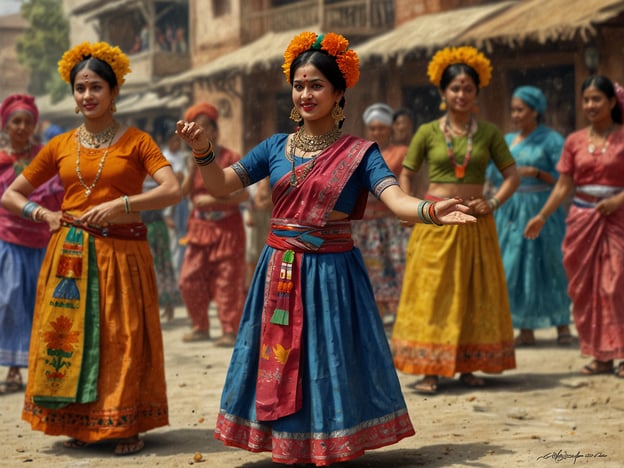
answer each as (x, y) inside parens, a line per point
(466, 55)
(103, 51)
(334, 44)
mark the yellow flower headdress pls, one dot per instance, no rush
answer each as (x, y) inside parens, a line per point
(103, 51)
(334, 44)
(466, 55)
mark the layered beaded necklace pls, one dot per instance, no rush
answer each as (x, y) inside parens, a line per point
(95, 140)
(460, 169)
(308, 144)
(605, 137)
(92, 139)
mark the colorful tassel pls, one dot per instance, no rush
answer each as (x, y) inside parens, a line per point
(284, 288)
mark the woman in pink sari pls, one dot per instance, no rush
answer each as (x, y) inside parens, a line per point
(592, 168)
(311, 378)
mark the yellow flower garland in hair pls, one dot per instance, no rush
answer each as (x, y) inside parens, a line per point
(103, 51)
(334, 44)
(466, 55)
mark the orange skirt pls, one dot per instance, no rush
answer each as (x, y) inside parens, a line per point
(131, 389)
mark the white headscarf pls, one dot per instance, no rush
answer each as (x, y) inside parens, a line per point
(378, 112)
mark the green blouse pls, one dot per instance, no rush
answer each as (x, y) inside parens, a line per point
(429, 144)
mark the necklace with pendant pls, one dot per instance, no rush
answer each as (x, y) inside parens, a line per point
(308, 144)
(95, 140)
(605, 138)
(89, 188)
(460, 169)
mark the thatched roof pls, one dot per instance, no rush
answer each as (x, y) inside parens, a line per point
(544, 20)
(427, 32)
(263, 53)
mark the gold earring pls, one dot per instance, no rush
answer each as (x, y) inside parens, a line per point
(443, 105)
(77, 110)
(295, 115)
(113, 107)
(337, 113)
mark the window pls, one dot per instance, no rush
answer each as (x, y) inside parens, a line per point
(221, 8)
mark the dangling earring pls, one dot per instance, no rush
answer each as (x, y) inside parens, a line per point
(337, 113)
(77, 110)
(443, 105)
(113, 107)
(295, 115)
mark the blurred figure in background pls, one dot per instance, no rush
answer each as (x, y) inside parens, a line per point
(22, 241)
(379, 235)
(592, 168)
(177, 155)
(536, 281)
(159, 223)
(214, 266)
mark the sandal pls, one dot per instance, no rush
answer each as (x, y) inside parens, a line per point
(129, 446)
(471, 380)
(619, 370)
(167, 313)
(226, 341)
(196, 335)
(525, 338)
(428, 385)
(564, 339)
(597, 368)
(13, 382)
(74, 444)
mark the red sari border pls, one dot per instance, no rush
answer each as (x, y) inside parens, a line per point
(319, 448)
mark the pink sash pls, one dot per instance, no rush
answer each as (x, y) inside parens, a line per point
(300, 225)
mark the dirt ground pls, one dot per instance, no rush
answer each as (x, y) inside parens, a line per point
(543, 413)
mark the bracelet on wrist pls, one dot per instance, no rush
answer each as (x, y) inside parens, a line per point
(126, 201)
(203, 153)
(493, 203)
(432, 215)
(28, 210)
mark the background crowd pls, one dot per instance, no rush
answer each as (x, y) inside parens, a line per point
(215, 227)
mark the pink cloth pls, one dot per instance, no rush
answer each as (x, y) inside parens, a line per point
(214, 268)
(593, 249)
(17, 102)
(15, 229)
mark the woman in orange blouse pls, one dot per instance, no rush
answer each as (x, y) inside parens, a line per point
(96, 367)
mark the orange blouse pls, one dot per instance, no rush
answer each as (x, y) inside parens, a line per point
(127, 163)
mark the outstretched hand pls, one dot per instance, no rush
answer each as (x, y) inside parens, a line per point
(193, 135)
(453, 211)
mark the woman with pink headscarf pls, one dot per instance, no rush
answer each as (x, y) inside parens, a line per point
(22, 241)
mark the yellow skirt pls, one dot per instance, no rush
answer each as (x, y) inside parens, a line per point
(454, 314)
(131, 389)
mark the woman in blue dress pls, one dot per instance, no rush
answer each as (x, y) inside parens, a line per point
(536, 280)
(311, 378)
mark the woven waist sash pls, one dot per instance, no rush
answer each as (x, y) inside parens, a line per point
(278, 384)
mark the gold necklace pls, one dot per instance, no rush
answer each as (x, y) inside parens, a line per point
(605, 138)
(308, 144)
(95, 140)
(312, 143)
(89, 188)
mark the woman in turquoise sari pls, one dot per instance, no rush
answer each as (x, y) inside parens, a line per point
(536, 280)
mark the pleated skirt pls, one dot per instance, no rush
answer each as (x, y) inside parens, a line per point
(453, 315)
(352, 399)
(131, 383)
